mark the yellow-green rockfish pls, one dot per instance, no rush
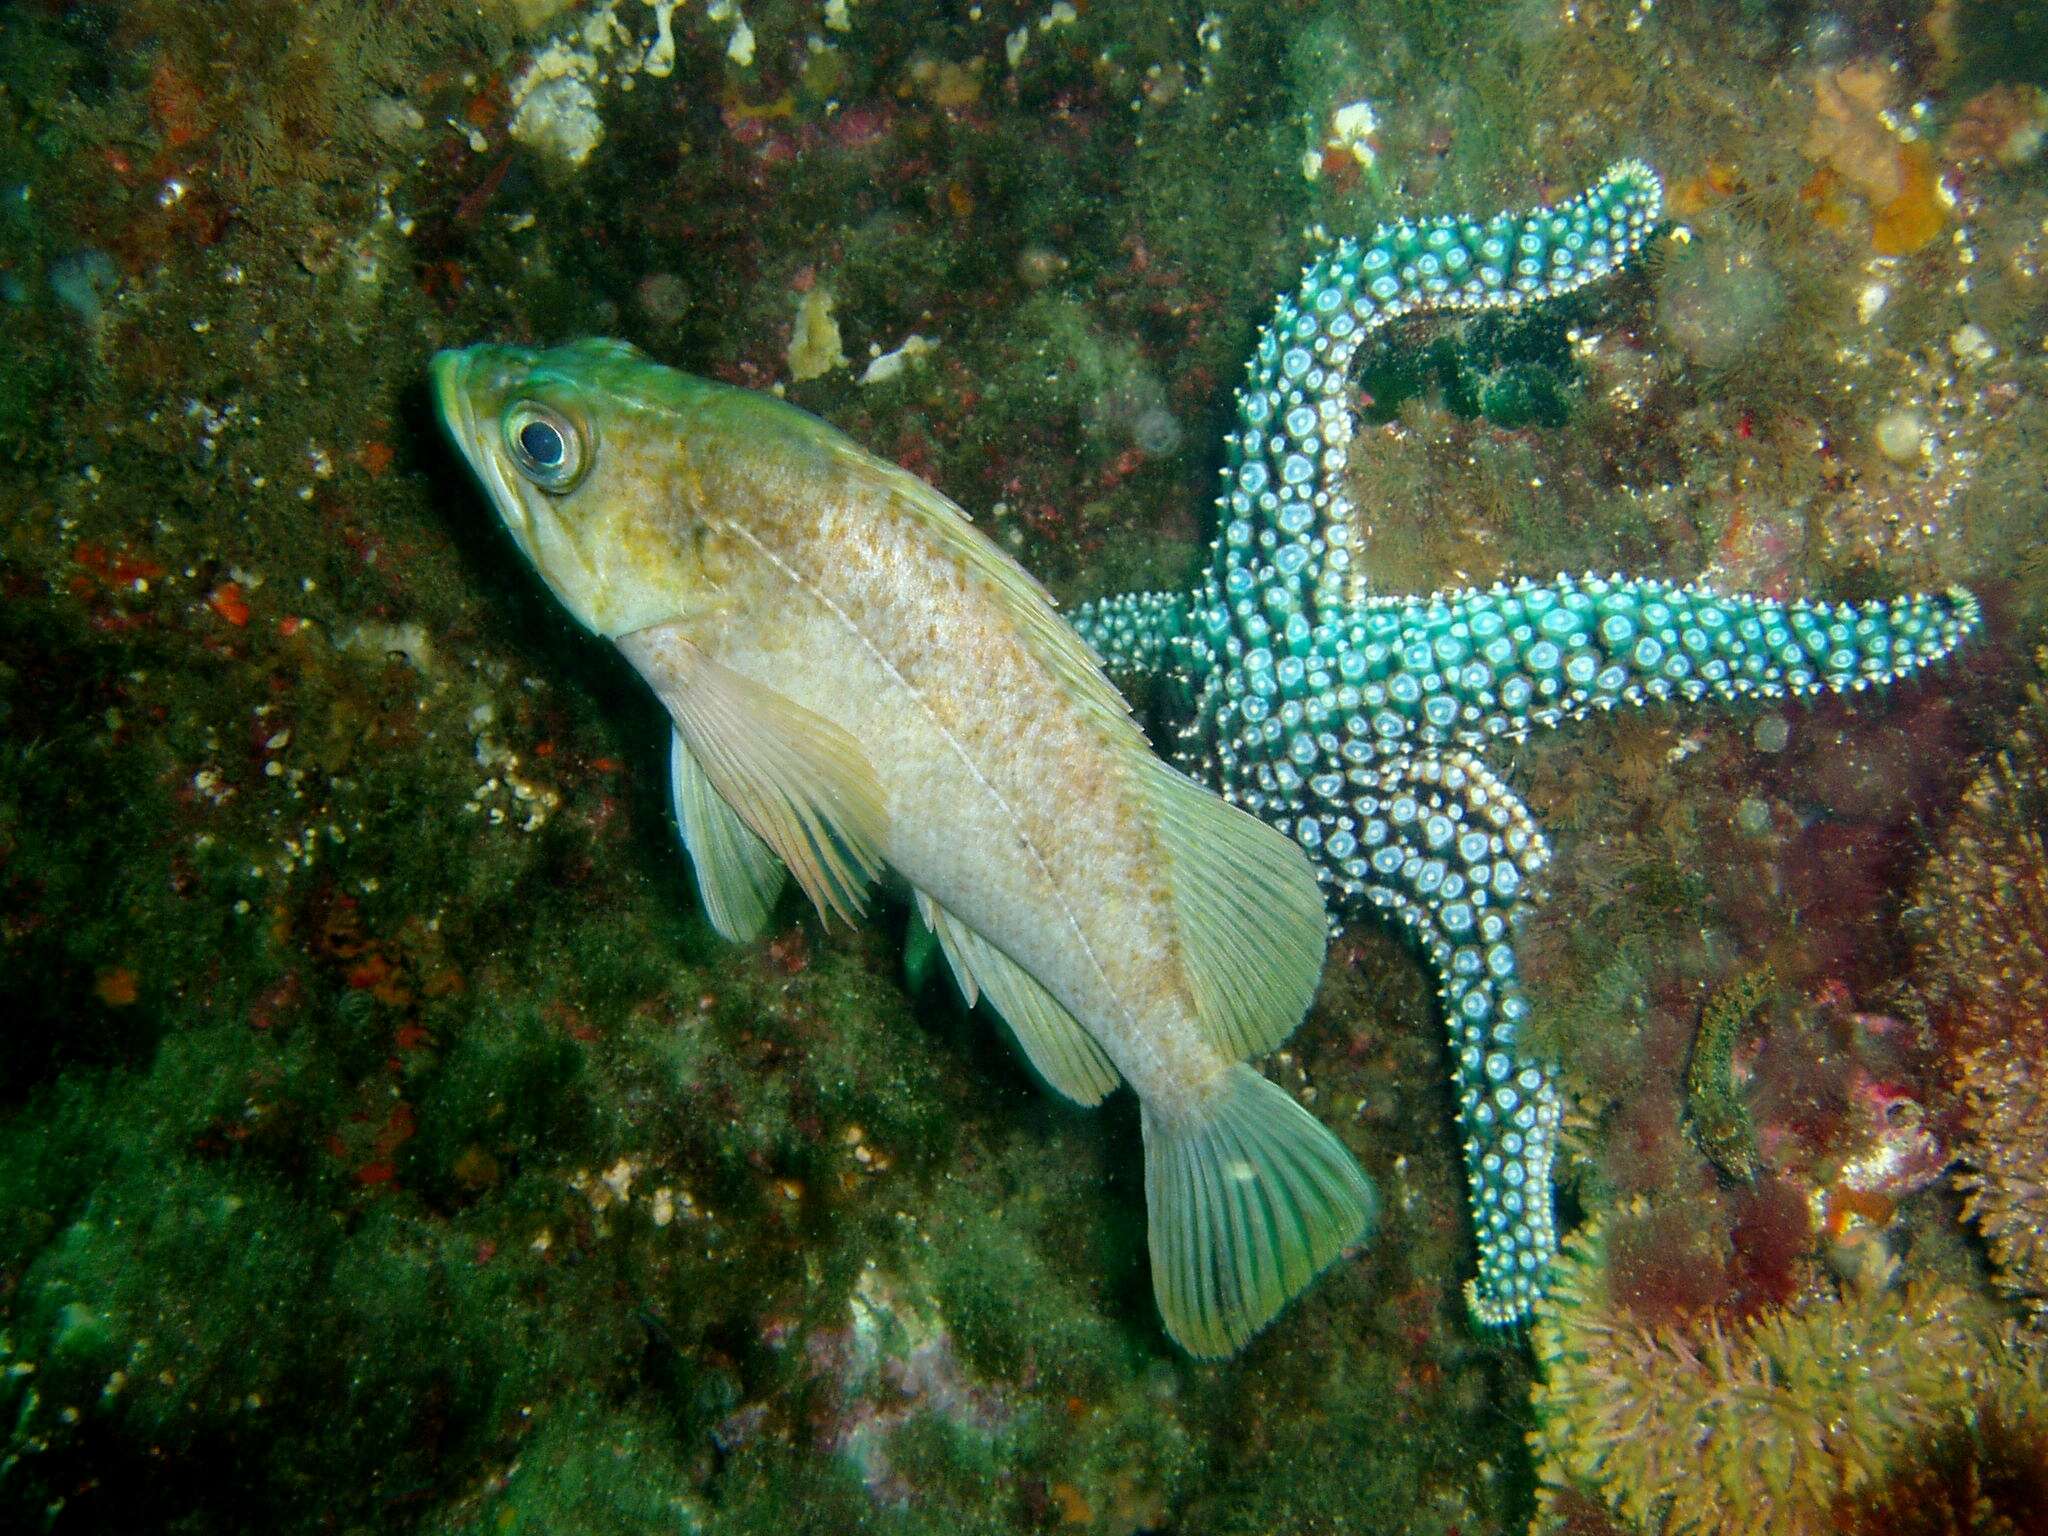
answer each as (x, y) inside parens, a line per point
(858, 678)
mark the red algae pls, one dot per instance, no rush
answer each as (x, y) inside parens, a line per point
(1773, 1242)
(1670, 1261)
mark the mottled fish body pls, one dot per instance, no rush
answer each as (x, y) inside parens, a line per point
(858, 678)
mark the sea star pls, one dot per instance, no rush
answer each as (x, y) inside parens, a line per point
(1357, 722)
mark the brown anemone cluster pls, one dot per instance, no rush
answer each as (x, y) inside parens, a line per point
(1815, 1417)
(1982, 976)
(2007, 1183)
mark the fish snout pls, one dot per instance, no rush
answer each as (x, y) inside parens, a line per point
(483, 374)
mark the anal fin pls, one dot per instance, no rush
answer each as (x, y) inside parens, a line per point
(1059, 1049)
(738, 875)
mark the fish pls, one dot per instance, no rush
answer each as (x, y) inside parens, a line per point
(858, 681)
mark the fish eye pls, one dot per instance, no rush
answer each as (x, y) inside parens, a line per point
(546, 445)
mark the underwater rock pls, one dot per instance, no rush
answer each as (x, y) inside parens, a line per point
(82, 283)
(893, 1362)
(1720, 299)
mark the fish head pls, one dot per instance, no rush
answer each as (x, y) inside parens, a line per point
(578, 449)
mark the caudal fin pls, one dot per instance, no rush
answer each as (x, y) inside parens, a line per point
(1245, 1206)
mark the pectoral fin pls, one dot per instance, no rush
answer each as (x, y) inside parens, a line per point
(738, 875)
(800, 784)
(1059, 1049)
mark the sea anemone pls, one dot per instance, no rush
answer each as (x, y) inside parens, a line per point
(1707, 1426)
(1981, 975)
(2006, 1099)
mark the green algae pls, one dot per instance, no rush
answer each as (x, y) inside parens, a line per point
(589, 1467)
(1719, 1120)
(1512, 372)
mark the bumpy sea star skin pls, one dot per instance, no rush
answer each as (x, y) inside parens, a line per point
(1354, 721)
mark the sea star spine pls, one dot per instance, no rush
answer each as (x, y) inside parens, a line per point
(1353, 720)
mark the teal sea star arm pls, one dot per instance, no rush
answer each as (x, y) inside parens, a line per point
(1355, 721)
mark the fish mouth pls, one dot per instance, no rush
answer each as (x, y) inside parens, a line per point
(463, 377)
(465, 385)
(471, 386)
(450, 366)
(458, 379)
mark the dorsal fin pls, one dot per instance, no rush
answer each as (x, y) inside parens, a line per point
(1025, 603)
(1252, 925)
